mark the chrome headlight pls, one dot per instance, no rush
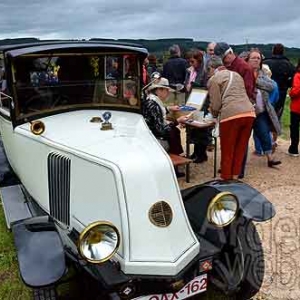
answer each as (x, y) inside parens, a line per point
(222, 209)
(99, 242)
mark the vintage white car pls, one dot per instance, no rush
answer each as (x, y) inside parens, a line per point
(94, 188)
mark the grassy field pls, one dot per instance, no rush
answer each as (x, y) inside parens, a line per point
(285, 120)
(11, 286)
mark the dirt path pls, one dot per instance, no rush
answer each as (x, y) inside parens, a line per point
(281, 235)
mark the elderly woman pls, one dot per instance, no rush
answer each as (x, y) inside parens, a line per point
(230, 103)
(155, 114)
(266, 117)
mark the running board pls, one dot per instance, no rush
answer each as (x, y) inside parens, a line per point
(14, 205)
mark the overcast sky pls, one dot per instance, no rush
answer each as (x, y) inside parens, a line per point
(255, 21)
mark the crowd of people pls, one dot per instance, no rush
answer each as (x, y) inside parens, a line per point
(246, 95)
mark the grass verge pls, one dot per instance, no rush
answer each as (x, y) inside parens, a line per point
(11, 286)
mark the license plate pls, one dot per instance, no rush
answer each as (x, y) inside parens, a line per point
(194, 287)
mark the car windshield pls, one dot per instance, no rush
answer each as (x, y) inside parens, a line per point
(44, 83)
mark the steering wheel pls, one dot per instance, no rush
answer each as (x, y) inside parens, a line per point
(60, 100)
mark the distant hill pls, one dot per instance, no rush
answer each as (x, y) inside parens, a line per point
(160, 46)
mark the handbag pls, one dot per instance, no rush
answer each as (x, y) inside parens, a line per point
(216, 131)
(273, 117)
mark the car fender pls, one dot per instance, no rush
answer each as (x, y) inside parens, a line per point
(253, 204)
(40, 251)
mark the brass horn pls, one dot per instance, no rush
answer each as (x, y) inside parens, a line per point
(37, 127)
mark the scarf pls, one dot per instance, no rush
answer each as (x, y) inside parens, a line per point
(160, 104)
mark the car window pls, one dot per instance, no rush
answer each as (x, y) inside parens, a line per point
(44, 83)
(121, 78)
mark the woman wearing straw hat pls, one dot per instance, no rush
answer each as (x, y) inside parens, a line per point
(155, 114)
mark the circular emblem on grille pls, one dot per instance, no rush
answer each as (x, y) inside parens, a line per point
(160, 214)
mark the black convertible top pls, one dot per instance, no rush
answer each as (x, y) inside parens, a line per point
(21, 49)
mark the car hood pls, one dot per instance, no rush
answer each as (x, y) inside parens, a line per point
(141, 174)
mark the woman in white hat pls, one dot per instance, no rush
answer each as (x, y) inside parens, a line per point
(155, 114)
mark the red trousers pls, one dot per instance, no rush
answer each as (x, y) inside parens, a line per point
(234, 137)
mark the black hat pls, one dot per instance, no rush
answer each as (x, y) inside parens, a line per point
(222, 49)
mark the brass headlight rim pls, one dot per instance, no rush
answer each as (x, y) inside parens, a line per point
(213, 202)
(88, 228)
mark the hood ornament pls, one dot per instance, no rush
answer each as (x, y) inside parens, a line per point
(106, 125)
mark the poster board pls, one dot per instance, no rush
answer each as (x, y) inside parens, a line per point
(197, 98)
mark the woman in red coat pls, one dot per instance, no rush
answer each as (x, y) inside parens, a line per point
(295, 113)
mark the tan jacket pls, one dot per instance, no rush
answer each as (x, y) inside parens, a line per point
(234, 102)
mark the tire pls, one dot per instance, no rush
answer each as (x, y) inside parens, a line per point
(48, 293)
(253, 261)
(240, 269)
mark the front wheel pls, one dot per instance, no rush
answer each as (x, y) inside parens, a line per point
(254, 266)
(240, 268)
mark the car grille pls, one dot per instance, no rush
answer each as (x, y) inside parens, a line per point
(160, 214)
(59, 186)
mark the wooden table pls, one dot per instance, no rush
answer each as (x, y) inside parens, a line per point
(190, 124)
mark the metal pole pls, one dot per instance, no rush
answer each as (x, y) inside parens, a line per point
(215, 156)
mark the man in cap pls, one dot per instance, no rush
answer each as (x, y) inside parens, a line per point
(234, 63)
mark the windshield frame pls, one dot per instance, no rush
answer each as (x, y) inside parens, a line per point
(12, 62)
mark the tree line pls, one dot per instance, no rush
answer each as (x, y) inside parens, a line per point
(160, 47)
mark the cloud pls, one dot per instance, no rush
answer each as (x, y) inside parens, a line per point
(235, 22)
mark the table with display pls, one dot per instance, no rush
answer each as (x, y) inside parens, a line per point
(192, 124)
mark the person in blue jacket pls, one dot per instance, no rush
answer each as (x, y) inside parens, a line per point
(273, 98)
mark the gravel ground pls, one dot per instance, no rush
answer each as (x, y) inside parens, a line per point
(281, 235)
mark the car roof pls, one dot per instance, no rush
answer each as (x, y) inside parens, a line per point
(21, 49)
